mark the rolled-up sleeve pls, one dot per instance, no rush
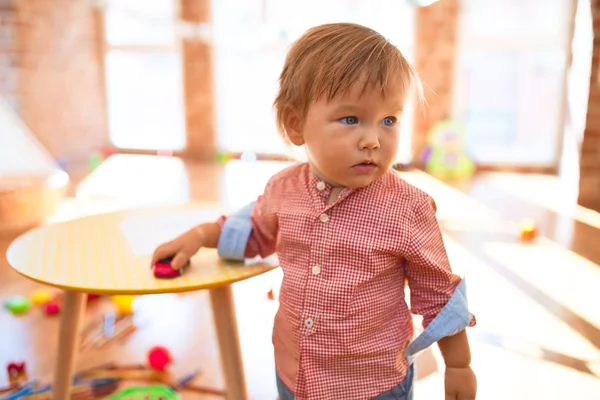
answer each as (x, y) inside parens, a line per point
(252, 230)
(235, 232)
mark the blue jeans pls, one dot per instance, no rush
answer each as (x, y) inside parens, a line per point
(404, 390)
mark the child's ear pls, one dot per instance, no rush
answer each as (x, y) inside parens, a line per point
(292, 122)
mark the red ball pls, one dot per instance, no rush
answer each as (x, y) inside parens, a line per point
(52, 309)
(92, 297)
(159, 358)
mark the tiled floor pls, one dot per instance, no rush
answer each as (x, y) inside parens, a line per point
(538, 331)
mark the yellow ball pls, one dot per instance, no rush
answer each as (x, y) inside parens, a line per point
(41, 296)
(124, 304)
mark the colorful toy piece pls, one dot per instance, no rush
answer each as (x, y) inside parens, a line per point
(42, 296)
(17, 304)
(124, 304)
(528, 230)
(92, 297)
(16, 371)
(52, 309)
(163, 270)
(154, 392)
(159, 358)
(446, 157)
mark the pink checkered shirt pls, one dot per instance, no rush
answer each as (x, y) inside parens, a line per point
(343, 322)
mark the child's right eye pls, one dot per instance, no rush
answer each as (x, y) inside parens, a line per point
(349, 120)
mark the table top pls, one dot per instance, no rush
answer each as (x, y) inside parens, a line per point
(111, 253)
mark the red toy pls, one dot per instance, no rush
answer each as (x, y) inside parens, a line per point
(163, 269)
(159, 358)
(16, 371)
(52, 309)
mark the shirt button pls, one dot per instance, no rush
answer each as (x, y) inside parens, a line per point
(321, 185)
(308, 322)
(324, 217)
(316, 270)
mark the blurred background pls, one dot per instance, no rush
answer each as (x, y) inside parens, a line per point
(118, 104)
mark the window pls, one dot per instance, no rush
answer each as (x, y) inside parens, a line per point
(144, 75)
(510, 79)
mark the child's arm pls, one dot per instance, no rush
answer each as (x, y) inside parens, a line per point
(440, 297)
(455, 350)
(248, 232)
(184, 246)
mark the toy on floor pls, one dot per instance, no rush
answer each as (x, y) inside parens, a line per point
(143, 373)
(17, 372)
(159, 358)
(446, 157)
(52, 309)
(123, 304)
(163, 270)
(154, 392)
(17, 305)
(101, 381)
(528, 230)
(41, 297)
(81, 390)
(47, 300)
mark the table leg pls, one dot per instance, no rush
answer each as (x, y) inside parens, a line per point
(223, 308)
(71, 316)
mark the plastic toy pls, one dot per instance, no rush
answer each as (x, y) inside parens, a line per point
(90, 389)
(42, 296)
(154, 392)
(446, 157)
(16, 371)
(159, 358)
(17, 304)
(124, 304)
(528, 230)
(52, 309)
(101, 381)
(163, 270)
(92, 297)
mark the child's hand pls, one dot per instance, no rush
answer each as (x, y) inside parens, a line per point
(182, 248)
(461, 384)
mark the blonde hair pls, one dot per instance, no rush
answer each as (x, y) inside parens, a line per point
(328, 60)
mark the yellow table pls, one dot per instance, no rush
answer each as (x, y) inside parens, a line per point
(92, 255)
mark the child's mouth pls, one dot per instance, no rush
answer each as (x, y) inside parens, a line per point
(364, 167)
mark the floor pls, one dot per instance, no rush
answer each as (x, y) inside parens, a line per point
(538, 331)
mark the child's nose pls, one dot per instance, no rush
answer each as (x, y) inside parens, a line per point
(369, 140)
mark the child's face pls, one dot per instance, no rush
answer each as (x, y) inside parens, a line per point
(352, 140)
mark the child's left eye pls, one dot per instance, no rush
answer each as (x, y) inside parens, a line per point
(349, 120)
(389, 121)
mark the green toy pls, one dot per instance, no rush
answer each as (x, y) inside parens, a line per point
(446, 157)
(153, 392)
(17, 304)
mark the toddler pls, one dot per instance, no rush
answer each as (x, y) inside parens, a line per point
(348, 232)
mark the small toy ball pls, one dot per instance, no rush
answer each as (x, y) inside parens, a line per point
(17, 304)
(528, 229)
(41, 296)
(92, 297)
(52, 309)
(124, 304)
(159, 358)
